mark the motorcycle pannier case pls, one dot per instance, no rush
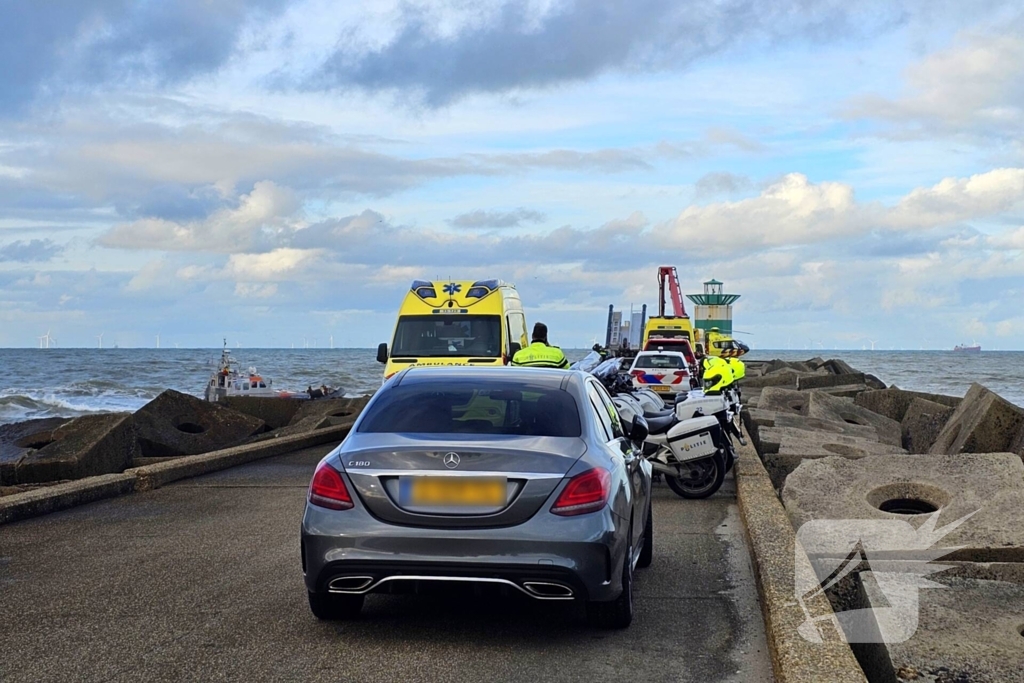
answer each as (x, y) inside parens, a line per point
(694, 438)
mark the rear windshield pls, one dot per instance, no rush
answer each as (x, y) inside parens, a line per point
(657, 361)
(419, 336)
(470, 407)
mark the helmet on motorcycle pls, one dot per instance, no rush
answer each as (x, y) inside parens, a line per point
(739, 369)
(716, 379)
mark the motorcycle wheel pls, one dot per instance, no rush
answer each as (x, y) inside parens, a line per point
(699, 478)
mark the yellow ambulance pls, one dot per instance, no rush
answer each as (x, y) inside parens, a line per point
(458, 322)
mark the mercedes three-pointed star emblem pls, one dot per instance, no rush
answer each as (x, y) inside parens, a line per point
(451, 460)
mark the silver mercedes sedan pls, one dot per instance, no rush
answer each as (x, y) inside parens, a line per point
(517, 477)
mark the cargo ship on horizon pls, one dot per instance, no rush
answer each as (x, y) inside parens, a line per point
(974, 348)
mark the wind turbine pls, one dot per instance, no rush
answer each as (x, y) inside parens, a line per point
(158, 341)
(47, 340)
(872, 344)
(332, 341)
(100, 337)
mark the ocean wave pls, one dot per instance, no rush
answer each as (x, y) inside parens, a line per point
(17, 407)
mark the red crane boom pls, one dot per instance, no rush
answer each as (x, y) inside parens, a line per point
(668, 274)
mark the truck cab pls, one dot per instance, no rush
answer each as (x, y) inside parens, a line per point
(458, 322)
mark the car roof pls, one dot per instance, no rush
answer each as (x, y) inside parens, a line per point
(549, 377)
(655, 352)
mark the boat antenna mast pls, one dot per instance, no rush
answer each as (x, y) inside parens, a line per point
(667, 275)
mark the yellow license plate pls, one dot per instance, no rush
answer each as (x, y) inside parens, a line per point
(660, 387)
(462, 491)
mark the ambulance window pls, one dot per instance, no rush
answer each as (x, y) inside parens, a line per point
(447, 335)
(517, 328)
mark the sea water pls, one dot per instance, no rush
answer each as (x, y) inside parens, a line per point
(38, 383)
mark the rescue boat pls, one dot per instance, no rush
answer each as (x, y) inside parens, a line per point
(229, 381)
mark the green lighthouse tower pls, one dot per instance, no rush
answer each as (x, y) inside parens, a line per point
(713, 308)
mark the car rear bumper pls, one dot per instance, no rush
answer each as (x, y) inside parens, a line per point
(353, 552)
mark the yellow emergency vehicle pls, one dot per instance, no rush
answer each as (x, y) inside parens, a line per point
(458, 322)
(723, 345)
(667, 331)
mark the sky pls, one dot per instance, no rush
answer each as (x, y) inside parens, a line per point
(276, 170)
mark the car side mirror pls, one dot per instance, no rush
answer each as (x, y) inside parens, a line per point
(638, 429)
(382, 353)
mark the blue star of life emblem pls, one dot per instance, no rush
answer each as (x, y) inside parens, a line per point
(452, 288)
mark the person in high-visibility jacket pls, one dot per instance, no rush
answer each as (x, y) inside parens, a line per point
(540, 354)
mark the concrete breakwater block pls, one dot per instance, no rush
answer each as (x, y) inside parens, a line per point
(830, 408)
(175, 424)
(756, 418)
(788, 441)
(275, 411)
(786, 449)
(838, 409)
(817, 381)
(893, 402)
(850, 391)
(55, 449)
(329, 411)
(321, 413)
(1017, 446)
(786, 378)
(838, 367)
(782, 400)
(968, 631)
(985, 491)
(768, 418)
(923, 423)
(984, 422)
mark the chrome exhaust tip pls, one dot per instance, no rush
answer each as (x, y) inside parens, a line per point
(349, 584)
(547, 590)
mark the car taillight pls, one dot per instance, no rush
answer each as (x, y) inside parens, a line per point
(328, 489)
(586, 492)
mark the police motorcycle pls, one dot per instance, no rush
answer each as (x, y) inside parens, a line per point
(723, 379)
(691, 449)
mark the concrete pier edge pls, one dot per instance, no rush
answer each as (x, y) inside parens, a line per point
(62, 496)
(773, 549)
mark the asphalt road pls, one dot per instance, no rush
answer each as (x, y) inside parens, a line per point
(201, 580)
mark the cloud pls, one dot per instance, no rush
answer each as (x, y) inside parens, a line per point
(144, 167)
(721, 182)
(790, 211)
(30, 251)
(64, 45)
(258, 221)
(794, 211)
(496, 219)
(976, 87)
(279, 264)
(510, 46)
(1012, 239)
(957, 199)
